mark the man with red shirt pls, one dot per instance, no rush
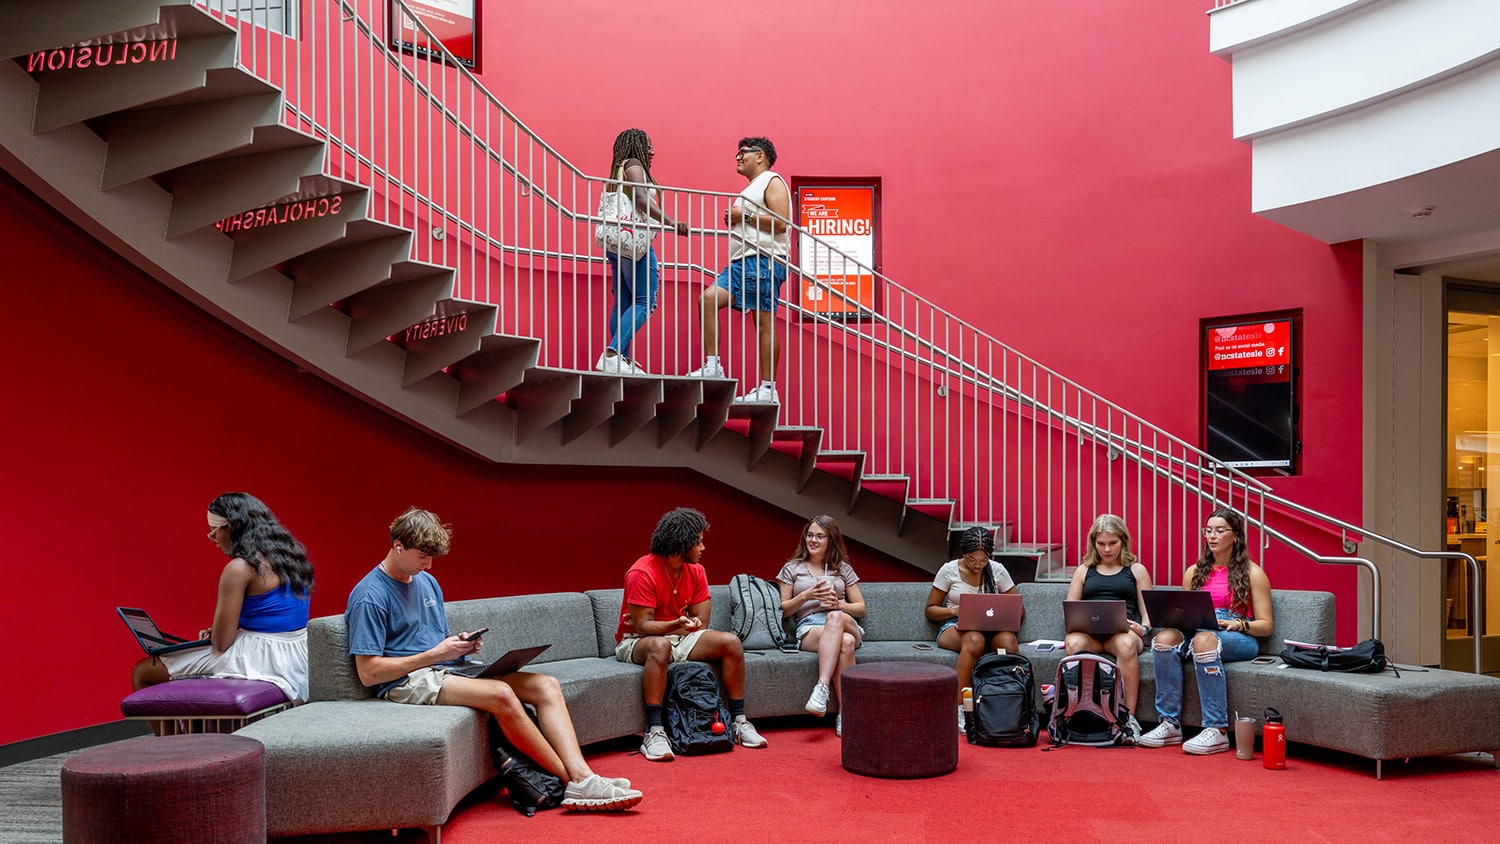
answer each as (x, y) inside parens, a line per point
(664, 619)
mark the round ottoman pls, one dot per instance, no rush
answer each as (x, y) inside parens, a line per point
(899, 719)
(189, 789)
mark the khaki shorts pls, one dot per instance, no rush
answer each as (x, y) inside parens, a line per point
(420, 687)
(682, 646)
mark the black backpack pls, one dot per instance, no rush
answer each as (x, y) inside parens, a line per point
(1367, 657)
(691, 707)
(755, 614)
(1004, 702)
(529, 785)
(1089, 702)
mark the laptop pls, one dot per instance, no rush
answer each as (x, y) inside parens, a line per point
(152, 640)
(1181, 609)
(1096, 618)
(989, 613)
(510, 663)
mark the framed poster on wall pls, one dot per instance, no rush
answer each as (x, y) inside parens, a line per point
(453, 23)
(837, 269)
(1251, 415)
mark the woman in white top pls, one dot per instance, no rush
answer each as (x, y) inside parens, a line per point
(634, 284)
(821, 591)
(974, 571)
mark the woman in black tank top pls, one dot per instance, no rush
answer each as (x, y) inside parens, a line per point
(1109, 571)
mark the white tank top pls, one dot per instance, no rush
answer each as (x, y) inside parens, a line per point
(751, 240)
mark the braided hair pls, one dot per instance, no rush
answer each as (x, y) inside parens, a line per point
(256, 537)
(632, 143)
(980, 539)
(1239, 563)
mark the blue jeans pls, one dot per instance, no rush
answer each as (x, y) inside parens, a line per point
(1213, 693)
(635, 285)
(754, 283)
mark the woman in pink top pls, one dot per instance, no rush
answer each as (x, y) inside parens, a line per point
(1242, 600)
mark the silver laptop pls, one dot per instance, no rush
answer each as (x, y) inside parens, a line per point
(510, 663)
(1096, 618)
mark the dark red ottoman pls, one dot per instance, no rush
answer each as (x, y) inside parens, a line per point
(189, 789)
(900, 719)
(204, 704)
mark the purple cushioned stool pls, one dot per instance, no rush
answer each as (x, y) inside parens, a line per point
(899, 719)
(189, 789)
(204, 704)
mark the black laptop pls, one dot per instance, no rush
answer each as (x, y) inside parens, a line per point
(510, 663)
(1181, 609)
(153, 641)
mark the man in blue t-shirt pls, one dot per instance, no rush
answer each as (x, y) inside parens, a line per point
(398, 635)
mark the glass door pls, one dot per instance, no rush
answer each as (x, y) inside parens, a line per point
(1473, 476)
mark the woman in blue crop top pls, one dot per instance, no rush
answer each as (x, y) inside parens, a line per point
(1242, 599)
(1109, 572)
(259, 629)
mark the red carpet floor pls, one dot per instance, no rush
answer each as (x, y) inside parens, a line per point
(796, 790)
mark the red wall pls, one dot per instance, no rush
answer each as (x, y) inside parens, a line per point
(128, 410)
(1062, 177)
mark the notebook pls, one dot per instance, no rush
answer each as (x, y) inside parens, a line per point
(1096, 618)
(510, 663)
(152, 640)
(990, 613)
(1181, 609)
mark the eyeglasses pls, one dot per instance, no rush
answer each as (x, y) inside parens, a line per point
(816, 537)
(212, 531)
(744, 151)
(1217, 531)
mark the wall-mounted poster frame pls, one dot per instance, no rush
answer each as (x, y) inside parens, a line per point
(845, 214)
(1251, 406)
(455, 24)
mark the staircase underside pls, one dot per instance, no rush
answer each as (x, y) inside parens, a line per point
(198, 141)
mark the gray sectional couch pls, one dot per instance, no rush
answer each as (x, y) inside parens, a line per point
(345, 761)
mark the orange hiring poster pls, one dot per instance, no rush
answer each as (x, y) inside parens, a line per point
(837, 274)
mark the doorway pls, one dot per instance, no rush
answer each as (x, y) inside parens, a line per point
(1472, 475)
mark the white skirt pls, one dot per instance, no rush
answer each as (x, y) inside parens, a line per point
(279, 658)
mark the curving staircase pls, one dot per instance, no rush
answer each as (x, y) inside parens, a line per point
(133, 118)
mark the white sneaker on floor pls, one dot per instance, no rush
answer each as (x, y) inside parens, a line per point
(838, 725)
(1132, 730)
(1164, 734)
(1211, 740)
(655, 746)
(961, 728)
(764, 394)
(745, 734)
(712, 369)
(817, 704)
(597, 794)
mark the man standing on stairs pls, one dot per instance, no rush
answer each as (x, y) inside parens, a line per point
(664, 619)
(758, 245)
(399, 638)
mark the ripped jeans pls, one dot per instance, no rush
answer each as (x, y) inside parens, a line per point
(1208, 669)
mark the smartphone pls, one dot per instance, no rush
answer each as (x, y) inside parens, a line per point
(469, 637)
(1263, 660)
(922, 646)
(1046, 646)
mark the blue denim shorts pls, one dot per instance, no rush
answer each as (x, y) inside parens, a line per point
(820, 619)
(950, 623)
(754, 283)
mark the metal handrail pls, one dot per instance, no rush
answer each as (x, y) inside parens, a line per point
(910, 347)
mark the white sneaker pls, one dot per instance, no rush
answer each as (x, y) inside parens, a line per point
(760, 395)
(597, 794)
(655, 746)
(745, 734)
(1211, 740)
(1164, 734)
(817, 704)
(961, 720)
(1132, 730)
(712, 369)
(838, 725)
(618, 365)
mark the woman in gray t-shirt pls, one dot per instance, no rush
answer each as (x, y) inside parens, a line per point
(821, 591)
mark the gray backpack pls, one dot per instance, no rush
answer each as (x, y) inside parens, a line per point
(755, 614)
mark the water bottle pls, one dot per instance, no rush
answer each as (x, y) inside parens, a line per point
(1273, 742)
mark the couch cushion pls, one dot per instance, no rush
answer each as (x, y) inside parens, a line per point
(896, 612)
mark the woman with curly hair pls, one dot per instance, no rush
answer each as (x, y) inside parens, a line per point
(633, 283)
(821, 591)
(1242, 601)
(973, 571)
(259, 629)
(1109, 572)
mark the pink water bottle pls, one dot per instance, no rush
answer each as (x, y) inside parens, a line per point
(1273, 742)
